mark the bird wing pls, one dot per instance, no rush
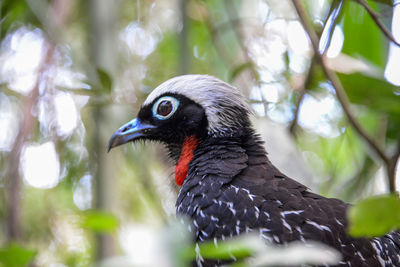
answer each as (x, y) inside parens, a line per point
(232, 188)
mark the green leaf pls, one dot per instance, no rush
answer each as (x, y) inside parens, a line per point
(105, 79)
(223, 251)
(167, 51)
(226, 250)
(362, 38)
(386, 2)
(375, 93)
(14, 14)
(100, 221)
(15, 255)
(374, 216)
(239, 69)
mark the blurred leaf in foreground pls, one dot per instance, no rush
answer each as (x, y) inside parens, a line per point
(237, 248)
(105, 80)
(386, 2)
(296, 254)
(374, 216)
(256, 253)
(100, 222)
(375, 93)
(15, 255)
(356, 20)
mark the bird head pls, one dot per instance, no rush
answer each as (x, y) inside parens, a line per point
(197, 106)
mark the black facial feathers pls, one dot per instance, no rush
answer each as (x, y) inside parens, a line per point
(189, 119)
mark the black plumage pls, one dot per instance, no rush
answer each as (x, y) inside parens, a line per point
(230, 187)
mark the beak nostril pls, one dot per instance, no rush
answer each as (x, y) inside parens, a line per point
(126, 128)
(130, 131)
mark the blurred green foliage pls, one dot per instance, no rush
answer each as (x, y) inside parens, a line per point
(369, 43)
(375, 216)
(100, 222)
(14, 255)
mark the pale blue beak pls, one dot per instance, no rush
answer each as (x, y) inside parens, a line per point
(129, 132)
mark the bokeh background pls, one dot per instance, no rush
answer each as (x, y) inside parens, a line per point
(72, 72)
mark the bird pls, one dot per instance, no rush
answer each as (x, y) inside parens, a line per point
(228, 186)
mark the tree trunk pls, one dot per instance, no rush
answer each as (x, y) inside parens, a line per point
(102, 29)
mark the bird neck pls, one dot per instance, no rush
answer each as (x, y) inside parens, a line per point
(226, 156)
(188, 147)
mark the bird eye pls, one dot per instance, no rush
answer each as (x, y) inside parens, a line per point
(165, 107)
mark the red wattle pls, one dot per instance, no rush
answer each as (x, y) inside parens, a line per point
(181, 169)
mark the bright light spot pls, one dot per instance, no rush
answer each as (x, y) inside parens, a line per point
(336, 40)
(380, 183)
(317, 115)
(254, 9)
(336, 43)
(20, 56)
(140, 41)
(274, 34)
(262, 8)
(267, 51)
(258, 109)
(297, 38)
(196, 53)
(65, 77)
(66, 113)
(258, 106)
(270, 92)
(392, 72)
(40, 165)
(267, 92)
(297, 63)
(8, 123)
(140, 243)
(280, 113)
(268, 57)
(83, 192)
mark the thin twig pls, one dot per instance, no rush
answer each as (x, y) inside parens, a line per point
(293, 124)
(397, 153)
(392, 165)
(344, 101)
(375, 18)
(340, 92)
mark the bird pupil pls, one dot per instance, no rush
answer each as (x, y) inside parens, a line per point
(164, 108)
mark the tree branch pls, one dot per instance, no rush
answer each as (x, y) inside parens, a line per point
(293, 124)
(397, 153)
(13, 199)
(375, 18)
(392, 165)
(340, 92)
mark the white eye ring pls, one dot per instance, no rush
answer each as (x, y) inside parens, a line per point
(174, 102)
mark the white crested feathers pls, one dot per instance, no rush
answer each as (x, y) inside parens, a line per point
(224, 105)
